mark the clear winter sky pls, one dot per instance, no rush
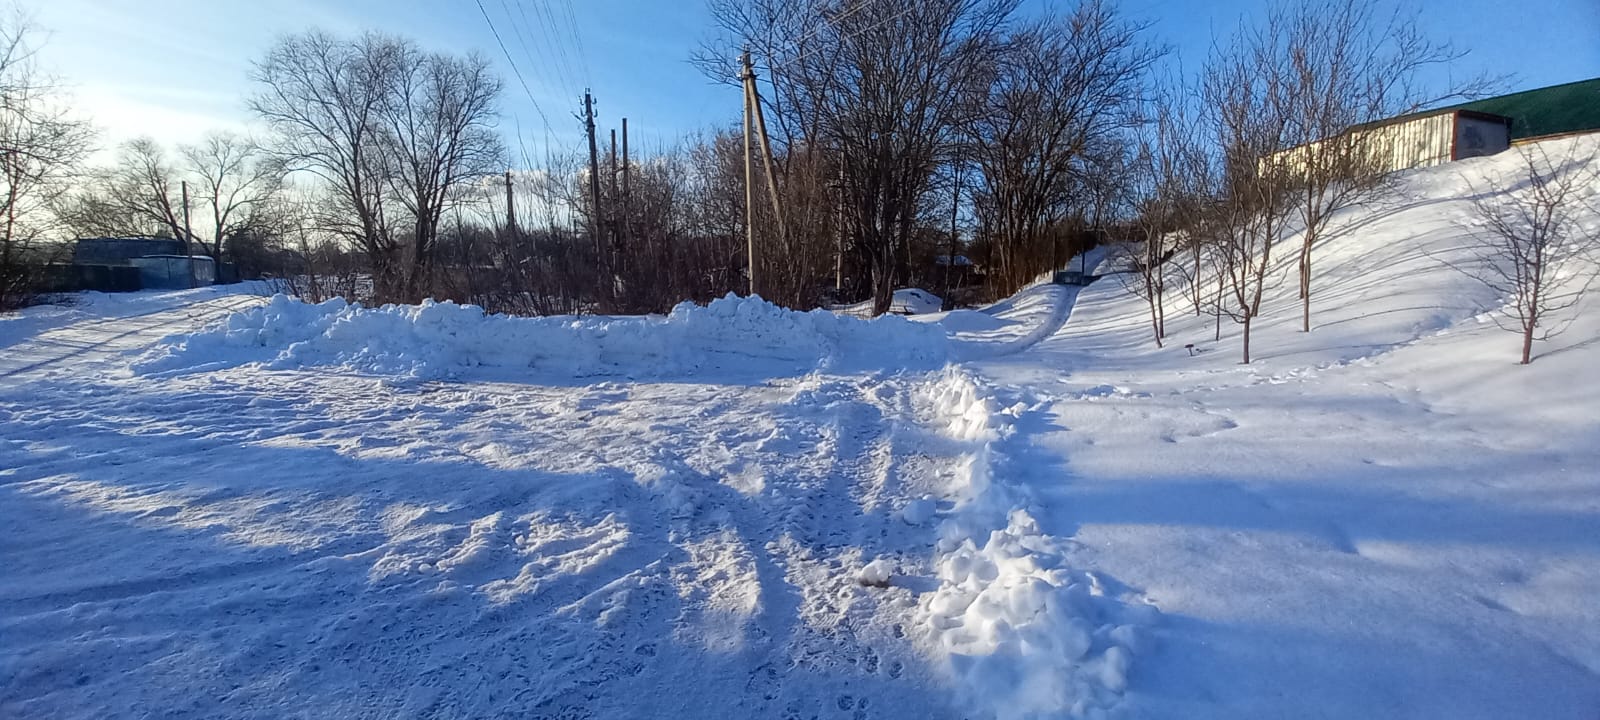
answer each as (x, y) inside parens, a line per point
(173, 69)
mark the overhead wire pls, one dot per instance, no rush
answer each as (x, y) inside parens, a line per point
(577, 37)
(858, 33)
(552, 31)
(548, 51)
(541, 70)
(515, 70)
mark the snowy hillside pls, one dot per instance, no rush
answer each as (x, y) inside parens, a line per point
(230, 505)
(1386, 517)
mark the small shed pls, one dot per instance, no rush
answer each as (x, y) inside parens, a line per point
(171, 272)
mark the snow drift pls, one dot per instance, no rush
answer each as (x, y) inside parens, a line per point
(1022, 634)
(438, 339)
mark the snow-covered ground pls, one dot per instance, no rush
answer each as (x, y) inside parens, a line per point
(1023, 511)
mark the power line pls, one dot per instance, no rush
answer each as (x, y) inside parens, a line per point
(572, 25)
(536, 67)
(824, 21)
(514, 68)
(858, 33)
(557, 50)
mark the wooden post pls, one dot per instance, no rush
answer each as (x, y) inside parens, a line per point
(950, 262)
(511, 209)
(188, 236)
(611, 204)
(594, 176)
(766, 153)
(749, 173)
(626, 188)
(838, 268)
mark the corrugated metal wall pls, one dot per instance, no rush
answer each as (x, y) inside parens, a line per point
(1419, 142)
(172, 272)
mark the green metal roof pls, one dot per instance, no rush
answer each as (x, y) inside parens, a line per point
(1573, 107)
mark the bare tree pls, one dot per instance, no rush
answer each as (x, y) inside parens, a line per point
(1248, 99)
(439, 115)
(143, 190)
(1349, 64)
(1063, 89)
(1168, 177)
(233, 179)
(324, 97)
(883, 85)
(1529, 244)
(40, 145)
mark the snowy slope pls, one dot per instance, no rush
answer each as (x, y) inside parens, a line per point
(1385, 517)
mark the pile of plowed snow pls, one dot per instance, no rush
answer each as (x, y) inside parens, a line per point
(437, 339)
(1021, 633)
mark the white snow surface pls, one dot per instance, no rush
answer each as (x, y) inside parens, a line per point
(436, 340)
(220, 504)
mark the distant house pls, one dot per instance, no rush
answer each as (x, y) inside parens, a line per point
(1421, 139)
(1474, 129)
(1568, 109)
(112, 264)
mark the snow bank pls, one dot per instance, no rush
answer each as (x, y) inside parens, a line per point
(905, 301)
(436, 340)
(915, 301)
(1023, 635)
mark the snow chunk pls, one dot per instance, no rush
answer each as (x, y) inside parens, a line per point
(915, 301)
(918, 511)
(877, 572)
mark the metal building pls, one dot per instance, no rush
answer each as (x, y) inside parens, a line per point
(1567, 109)
(1419, 140)
(172, 272)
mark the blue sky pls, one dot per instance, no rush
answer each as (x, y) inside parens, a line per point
(172, 69)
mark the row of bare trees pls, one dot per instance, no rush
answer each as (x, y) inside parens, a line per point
(41, 145)
(905, 100)
(229, 179)
(1239, 171)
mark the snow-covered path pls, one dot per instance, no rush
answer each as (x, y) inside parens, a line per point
(320, 541)
(71, 340)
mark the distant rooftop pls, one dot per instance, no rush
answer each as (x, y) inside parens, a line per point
(1555, 110)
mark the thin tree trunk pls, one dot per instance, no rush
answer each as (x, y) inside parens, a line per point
(1247, 319)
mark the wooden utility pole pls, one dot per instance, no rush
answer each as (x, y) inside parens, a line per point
(766, 150)
(838, 268)
(749, 172)
(611, 205)
(594, 176)
(950, 262)
(752, 111)
(188, 236)
(511, 209)
(626, 189)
